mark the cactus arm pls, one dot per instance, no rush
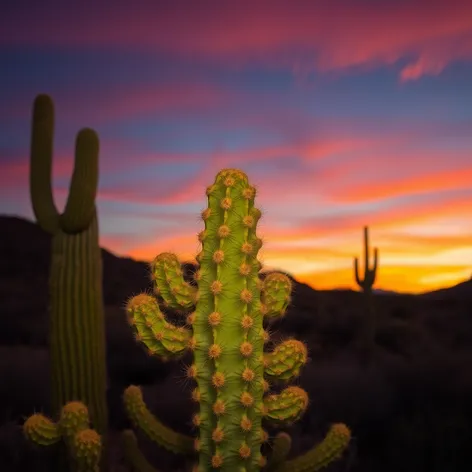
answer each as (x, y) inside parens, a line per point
(357, 273)
(152, 427)
(366, 254)
(159, 336)
(374, 267)
(133, 456)
(323, 454)
(42, 130)
(40, 430)
(170, 284)
(285, 361)
(280, 450)
(80, 206)
(275, 295)
(286, 407)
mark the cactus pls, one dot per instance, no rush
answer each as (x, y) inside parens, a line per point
(77, 333)
(368, 332)
(83, 444)
(132, 454)
(226, 335)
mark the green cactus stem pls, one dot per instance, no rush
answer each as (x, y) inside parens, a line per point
(83, 444)
(225, 333)
(77, 320)
(323, 454)
(77, 332)
(151, 426)
(367, 337)
(132, 454)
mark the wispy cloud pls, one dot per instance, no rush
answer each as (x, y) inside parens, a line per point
(305, 35)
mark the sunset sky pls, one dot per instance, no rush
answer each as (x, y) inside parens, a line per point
(342, 113)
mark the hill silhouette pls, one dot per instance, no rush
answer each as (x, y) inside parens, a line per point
(25, 252)
(410, 411)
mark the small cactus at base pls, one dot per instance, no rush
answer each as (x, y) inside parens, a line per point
(84, 444)
(225, 332)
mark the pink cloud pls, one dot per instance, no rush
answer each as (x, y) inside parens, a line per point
(327, 35)
(95, 105)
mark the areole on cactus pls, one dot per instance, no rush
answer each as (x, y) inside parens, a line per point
(225, 332)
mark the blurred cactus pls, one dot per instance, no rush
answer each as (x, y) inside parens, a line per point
(77, 333)
(83, 444)
(226, 336)
(367, 338)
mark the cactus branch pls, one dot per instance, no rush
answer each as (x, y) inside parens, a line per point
(170, 284)
(132, 454)
(42, 131)
(323, 454)
(80, 206)
(151, 426)
(160, 337)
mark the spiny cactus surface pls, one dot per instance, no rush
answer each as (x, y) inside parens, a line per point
(226, 335)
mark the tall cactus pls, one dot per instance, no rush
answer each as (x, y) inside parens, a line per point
(225, 332)
(366, 283)
(77, 333)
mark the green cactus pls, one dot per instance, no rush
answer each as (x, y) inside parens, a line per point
(367, 340)
(77, 332)
(226, 335)
(132, 454)
(322, 455)
(83, 444)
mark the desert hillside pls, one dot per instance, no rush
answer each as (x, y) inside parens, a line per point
(410, 411)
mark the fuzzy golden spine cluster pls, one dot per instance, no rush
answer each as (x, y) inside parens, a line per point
(226, 334)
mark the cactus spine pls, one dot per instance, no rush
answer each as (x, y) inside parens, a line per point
(366, 283)
(225, 332)
(77, 335)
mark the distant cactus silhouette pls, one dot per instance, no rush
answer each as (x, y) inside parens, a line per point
(77, 333)
(226, 336)
(366, 283)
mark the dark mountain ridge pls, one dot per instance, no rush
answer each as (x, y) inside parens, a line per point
(25, 250)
